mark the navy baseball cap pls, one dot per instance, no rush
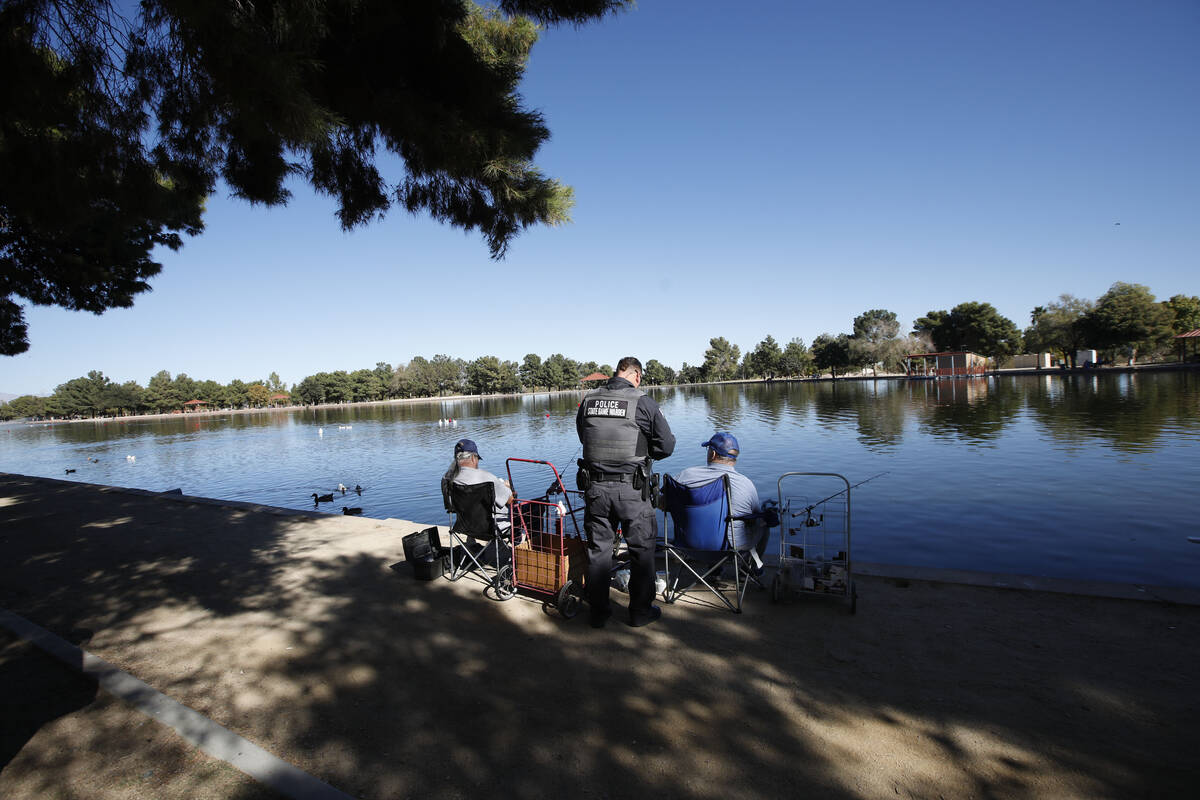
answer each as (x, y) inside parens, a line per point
(466, 446)
(723, 444)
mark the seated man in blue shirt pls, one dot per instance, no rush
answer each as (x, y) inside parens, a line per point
(723, 452)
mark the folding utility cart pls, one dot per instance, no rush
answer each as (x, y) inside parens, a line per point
(814, 538)
(548, 557)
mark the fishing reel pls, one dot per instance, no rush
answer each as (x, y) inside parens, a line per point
(770, 513)
(809, 520)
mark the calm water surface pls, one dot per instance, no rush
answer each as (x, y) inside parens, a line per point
(1073, 476)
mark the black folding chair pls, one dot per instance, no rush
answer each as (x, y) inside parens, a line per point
(473, 507)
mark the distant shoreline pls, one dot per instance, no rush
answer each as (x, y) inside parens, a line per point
(1167, 367)
(277, 409)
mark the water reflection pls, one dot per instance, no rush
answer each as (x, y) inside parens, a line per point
(1131, 413)
(832, 403)
(971, 410)
(881, 412)
(767, 400)
(954, 391)
(724, 407)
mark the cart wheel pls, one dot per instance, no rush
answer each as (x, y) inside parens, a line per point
(503, 584)
(567, 602)
(853, 598)
(777, 588)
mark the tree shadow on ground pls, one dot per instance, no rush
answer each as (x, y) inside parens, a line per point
(34, 689)
(284, 630)
(62, 738)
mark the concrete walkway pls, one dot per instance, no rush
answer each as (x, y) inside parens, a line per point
(290, 631)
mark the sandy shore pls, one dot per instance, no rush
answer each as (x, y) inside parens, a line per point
(289, 629)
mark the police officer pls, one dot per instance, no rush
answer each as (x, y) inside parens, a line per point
(622, 430)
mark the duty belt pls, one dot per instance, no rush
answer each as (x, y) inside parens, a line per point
(611, 477)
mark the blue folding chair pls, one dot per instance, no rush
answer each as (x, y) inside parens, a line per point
(697, 542)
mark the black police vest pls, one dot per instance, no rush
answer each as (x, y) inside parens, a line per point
(610, 433)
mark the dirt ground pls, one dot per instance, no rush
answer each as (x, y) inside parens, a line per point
(292, 631)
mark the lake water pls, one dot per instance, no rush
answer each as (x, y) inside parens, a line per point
(1079, 476)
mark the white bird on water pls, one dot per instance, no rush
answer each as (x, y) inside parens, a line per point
(320, 431)
(131, 458)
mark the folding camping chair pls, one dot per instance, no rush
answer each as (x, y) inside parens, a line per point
(702, 545)
(473, 507)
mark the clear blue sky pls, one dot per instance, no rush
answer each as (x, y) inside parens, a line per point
(772, 167)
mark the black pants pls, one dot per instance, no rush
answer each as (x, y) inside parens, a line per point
(611, 504)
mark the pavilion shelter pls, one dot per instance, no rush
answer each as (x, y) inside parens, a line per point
(1189, 341)
(945, 365)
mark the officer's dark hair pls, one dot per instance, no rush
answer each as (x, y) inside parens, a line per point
(627, 362)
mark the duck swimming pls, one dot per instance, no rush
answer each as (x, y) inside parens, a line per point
(322, 498)
(353, 512)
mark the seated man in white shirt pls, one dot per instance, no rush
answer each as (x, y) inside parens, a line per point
(723, 452)
(465, 470)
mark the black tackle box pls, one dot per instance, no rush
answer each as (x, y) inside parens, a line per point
(424, 551)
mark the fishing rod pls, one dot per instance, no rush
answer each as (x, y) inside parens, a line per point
(808, 509)
(557, 485)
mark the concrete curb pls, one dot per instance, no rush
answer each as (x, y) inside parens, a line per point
(1171, 595)
(174, 497)
(216, 740)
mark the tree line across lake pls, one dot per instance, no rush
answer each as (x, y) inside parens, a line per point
(1125, 322)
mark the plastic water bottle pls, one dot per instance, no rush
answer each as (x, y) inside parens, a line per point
(621, 579)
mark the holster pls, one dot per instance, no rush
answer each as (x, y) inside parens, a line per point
(645, 481)
(583, 480)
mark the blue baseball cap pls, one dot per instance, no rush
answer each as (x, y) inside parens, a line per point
(466, 446)
(724, 445)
